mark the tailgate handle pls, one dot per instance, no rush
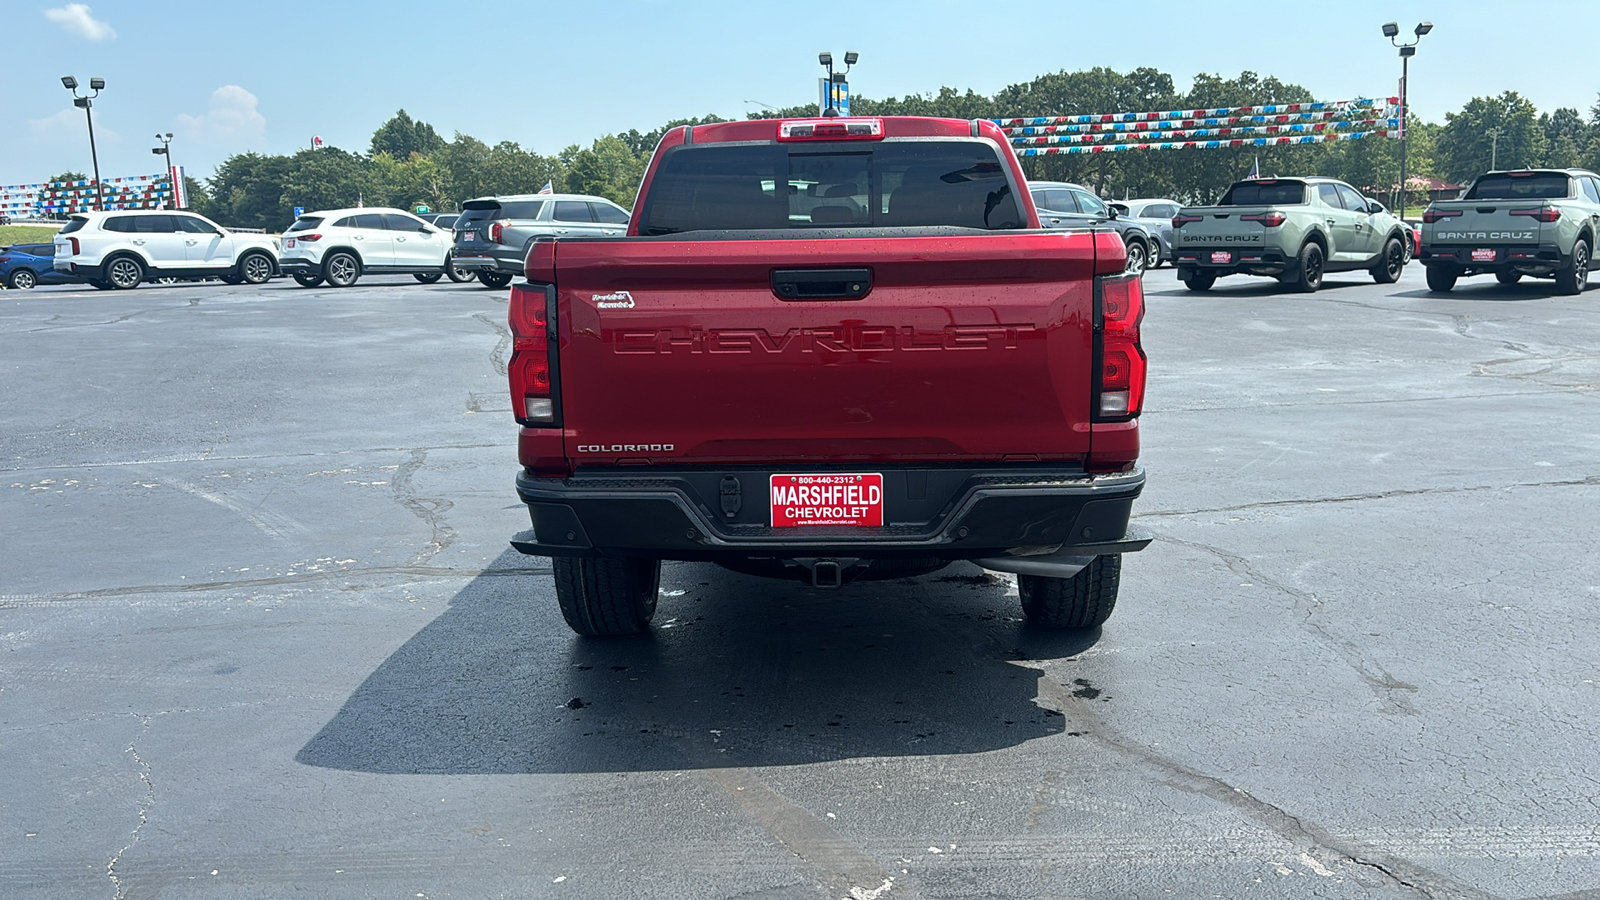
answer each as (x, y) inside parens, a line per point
(1486, 209)
(821, 284)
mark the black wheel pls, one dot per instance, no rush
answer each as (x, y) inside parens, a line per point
(1200, 282)
(1082, 601)
(255, 268)
(459, 276)
(341, 268)
(1138, 256)
(1508, 276)
(307, 280)
(1574, 278)
(124, 273)
(429, 278)
(1393, 262)
(22, 279)
(1309, 276)
(605, 597)
(1441, 279)
(494, 279)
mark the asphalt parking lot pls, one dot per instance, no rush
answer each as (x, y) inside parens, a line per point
(261, 633)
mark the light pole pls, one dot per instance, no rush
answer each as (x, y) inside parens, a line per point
(1390, 30)
(826, 60)
(166, 150)
(86, 103)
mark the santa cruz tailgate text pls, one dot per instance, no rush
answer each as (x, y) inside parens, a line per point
(827, 500)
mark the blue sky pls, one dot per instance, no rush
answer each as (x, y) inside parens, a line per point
(227, 77)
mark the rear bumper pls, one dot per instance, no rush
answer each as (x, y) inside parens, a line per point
(79, 270)
(1505, 256)
(1256, 260)
(948, 512)
(487, 258)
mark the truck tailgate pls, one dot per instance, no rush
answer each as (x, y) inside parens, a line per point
(1484, 222)
(942, 348)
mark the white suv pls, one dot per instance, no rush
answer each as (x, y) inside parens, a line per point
(123, 249)
(338, 245)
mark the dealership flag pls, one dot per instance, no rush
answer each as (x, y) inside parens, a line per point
(547, 189)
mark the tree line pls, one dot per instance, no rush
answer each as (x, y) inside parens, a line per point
(407, 162)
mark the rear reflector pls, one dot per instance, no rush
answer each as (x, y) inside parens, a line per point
(838, 129)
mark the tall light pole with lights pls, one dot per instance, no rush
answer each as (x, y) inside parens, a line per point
(826, 60)
(86, 103)
(1390, 31)
(166, 150)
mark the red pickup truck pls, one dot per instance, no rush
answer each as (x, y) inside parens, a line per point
(830, 349)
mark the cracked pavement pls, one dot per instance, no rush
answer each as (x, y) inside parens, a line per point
(261, 634)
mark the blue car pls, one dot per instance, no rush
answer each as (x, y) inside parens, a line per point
(24, 265)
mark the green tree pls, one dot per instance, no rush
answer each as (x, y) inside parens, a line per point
(1566, 135)
(608, 168)
(247, 191)
(1501, 131)
(402, 136)
(328, 178)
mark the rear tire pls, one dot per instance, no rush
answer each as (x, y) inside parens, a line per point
(1508, 276)
(1200, 282)
(606, 597)
(341, 269)
(494, 280)
(255, 268)
(1441, 279)
(1574, 278)
(124, 273)
(1393, 262)
(1083, 601)
(1312, 262)
(305, 280)
(22, 279)
(459, 276)
(429, 278)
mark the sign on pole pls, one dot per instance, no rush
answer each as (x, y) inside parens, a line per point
(841, 96)
(299, 211)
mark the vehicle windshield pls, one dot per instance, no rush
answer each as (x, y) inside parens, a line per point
(744, 187)
(1265, 193)
(1519, 186)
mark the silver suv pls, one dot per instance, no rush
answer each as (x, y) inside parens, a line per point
(494, 233)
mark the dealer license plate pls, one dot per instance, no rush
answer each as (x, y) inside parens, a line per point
(1221, 256)
(1483, 256)
(469, 235)
(854, 499)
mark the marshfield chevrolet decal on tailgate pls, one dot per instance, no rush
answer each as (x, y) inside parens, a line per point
(613, 300)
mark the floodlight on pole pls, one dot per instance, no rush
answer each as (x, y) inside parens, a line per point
(86, 104)
(1391, 31)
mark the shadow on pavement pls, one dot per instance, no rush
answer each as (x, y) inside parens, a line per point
(740, 671)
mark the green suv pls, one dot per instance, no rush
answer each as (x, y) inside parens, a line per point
(1292, 229)
(1538, 222)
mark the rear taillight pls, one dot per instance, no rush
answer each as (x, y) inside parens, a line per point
(1270, 220)
(497, 230)
(1543, 213)
(1180, 220)
(533, 398)
(1433, 215)
(1119, 359)
(307, 238)
(74, 242)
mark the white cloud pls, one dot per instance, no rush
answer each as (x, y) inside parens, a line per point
(232, 116)
(76, 19)
(69, 125)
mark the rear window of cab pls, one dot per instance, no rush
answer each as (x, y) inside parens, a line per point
(1519, 186)
(1265, 193)
(742, 187)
